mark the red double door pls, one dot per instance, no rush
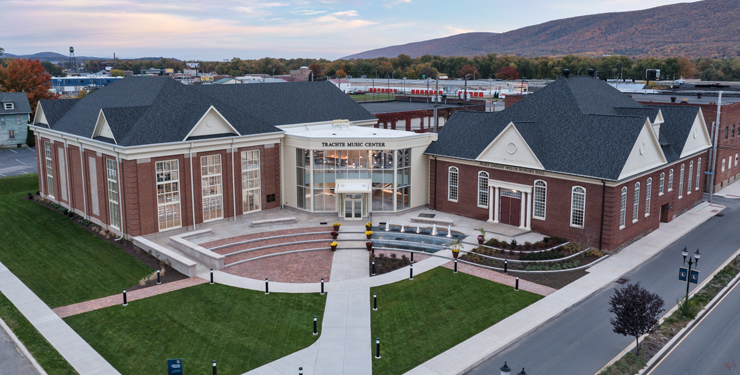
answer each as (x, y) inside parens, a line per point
(510, 210)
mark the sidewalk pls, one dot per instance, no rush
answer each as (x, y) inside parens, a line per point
(730, 191)
(80, 355)
(476, 349)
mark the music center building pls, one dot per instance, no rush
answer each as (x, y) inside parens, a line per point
(578, 158)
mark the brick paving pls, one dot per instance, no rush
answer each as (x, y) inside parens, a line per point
(278, 249)
(307, 267)
(276, 241)
(501, 278)
(117, 299)
(251, 236)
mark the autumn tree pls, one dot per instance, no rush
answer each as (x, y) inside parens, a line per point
(315, 70)
(116, 73)
(507, 73)
(340, 73)
(29, 76)
(53, 69)
(467, 69)
(636, 312)
(685, 67)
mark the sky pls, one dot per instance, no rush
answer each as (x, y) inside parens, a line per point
(251, 29)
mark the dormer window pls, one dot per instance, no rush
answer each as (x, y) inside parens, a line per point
(8, 106)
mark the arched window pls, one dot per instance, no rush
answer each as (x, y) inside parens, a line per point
(636, 203)
(661, 183)
(670, 180)
(540, 199)
(698, 173)
(648, 191)
(691, 176)
(452, 184)
(483, 189)
(623, 208)
(577, 206)
(680, 183)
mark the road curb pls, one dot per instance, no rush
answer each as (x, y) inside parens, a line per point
(22, 348)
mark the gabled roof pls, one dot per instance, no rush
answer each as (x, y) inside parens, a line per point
(19, 100)
(152, 110)
(577, 125)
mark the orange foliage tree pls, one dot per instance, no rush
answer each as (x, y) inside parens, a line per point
(29, 76)
(507, 72)
(467, 69)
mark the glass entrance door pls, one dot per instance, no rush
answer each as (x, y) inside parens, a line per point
(353, 206)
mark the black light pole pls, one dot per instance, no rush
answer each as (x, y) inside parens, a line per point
(505, 370)
(697, 255)
(215, 372)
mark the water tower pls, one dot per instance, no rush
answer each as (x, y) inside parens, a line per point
(72, 61)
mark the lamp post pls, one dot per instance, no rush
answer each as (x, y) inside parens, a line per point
(505, 370)
(465, 95)
(696, 257)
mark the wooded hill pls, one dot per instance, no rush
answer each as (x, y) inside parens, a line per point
(706, 28)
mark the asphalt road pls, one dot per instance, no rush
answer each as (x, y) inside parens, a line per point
(712, 345)
(12, 362)
(15, 161)
(581, 341)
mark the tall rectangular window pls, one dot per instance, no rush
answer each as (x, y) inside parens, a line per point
(212, 187)
(698, 173)
(623, 208)
(113, 213)
(483, 189)
(11, 134)
(17, 119)
(680, 183)
(452, 175)
(168, 194)
(577, 207)
(49, 170)
(648, 191)
(251, 186)
(691, 175)
(540, 199)
(303, 178)
(636, 203)
(670, 180)
(661, 184)
(403, 179)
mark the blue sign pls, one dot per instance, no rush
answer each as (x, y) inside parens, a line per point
(708, 172)
(694, 277)
(682, 273)
(174, 366)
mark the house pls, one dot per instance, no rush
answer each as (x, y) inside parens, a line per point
(15, 112)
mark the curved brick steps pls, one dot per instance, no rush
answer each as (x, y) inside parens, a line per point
(253, 236)
(275, 250)
(303, 267)
(273, 241)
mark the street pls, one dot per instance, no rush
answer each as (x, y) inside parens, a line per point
(581, 341)
(15, 161)
(711, 347)
(13, 362)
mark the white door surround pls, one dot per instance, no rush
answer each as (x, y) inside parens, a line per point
(494, 187)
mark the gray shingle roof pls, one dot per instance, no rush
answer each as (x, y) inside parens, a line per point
(151, 110)
(577, 125)
(19, 100)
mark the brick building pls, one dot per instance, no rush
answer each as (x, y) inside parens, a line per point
(577, 159)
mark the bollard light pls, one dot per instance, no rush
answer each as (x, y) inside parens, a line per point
(124, 297)
(411, 271)
(267, 287)
(455, 265)
(412, 257)
(506, 266)
(215, 372)
(377, 347)
(375, 301)
(300, 371)
(516, 286)
(373, 274)
(505, 370)
(315, 326)
(211, 275)
(322, 286)
(158, 280)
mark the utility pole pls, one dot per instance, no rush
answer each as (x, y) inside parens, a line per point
(466, 92)
(436, 102)
(710, 180)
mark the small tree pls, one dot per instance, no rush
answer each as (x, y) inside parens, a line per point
(116, 73)
(507, 72)
(636, 312)
(29, 76)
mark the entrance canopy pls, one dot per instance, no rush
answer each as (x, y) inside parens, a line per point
(352, 186)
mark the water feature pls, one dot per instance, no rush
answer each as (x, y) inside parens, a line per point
(449, 231)
(387, 226)
(434, 229)
(402, 228)
(422, 240)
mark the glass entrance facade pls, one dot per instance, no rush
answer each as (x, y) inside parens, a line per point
(317, 172)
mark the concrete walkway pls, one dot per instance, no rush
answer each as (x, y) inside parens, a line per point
(730, 191)
(117, 299)
(80, 355)
(476, 349)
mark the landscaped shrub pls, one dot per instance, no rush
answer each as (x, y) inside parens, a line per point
(504, 244)
(594, 253)
(527, 245)
(513, 244)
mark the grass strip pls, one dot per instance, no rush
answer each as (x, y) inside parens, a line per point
(417, 320)
(241, 329)
(40, 349)
(60, 261)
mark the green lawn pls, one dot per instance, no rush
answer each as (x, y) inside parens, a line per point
(241, 329)
(370, 97)
(40, 349)
(60, 261)
(417, 320)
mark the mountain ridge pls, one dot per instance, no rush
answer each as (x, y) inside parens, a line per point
(699, 29)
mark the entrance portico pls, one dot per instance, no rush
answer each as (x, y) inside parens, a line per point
(353, 198)
(504, 190)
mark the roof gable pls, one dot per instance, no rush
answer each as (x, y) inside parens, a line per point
(102, 128)
(211, 123)
(646, 153)
(698, 138)
(40, 116)
(510, 148)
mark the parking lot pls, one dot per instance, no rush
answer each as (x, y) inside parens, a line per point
(15, 161)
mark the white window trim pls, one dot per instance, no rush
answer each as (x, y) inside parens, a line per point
(661, 184)
(258, 189)
(221, 194)
(118, 194)
(670, 180)
(648, 197)
(572, 191)
(690, 178)
(179, 192)
(698, 174)
(449, 183)
(9, 106)
(636, 204)
(680, 183)
(534, 202)
(623, 208)
(478, 190)
(49, 170)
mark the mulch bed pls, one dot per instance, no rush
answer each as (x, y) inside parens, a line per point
(385, 264)
(555, 280)
(168, 274)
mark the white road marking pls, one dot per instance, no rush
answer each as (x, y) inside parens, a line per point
(12, 151)
(20, 162)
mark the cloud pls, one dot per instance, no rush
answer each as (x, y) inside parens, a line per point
(307, 12)
(348, 13)
(396, 2)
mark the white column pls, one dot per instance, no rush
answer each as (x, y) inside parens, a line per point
(522, 210)
(495, 206)
(490, 206)
(529, 212)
